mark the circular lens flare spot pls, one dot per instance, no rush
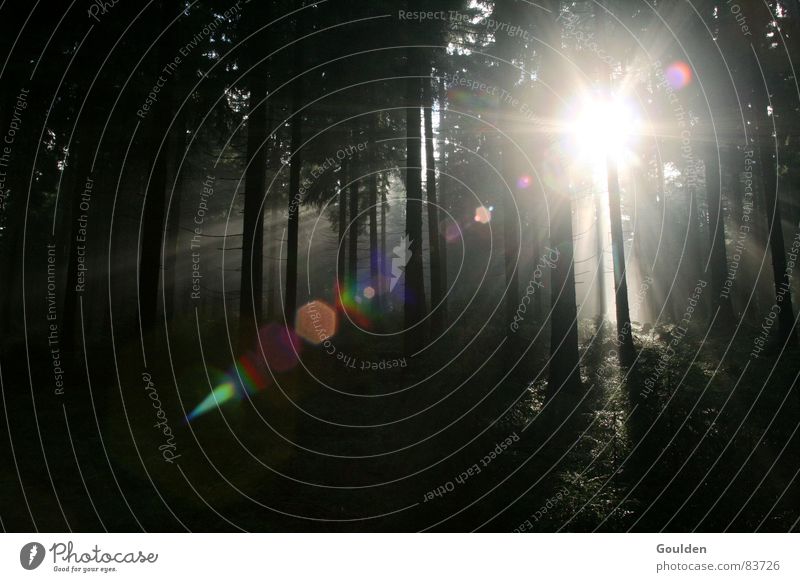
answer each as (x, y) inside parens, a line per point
(315, 322)
(483, 215)
(524, 182)
(280, 345)
(369, 293)
(678, 75)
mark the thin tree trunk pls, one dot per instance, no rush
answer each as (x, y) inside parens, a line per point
(173, 226)
(272, 230)
(627, 352)
(442, 192)
(352, 264)
(601, 262)
(564, 372)
(716, 230)
(273, 246)
(783, 293)
(435, 242)
(153, 218)
(382, 290)
(292, 231)
(81, 160)
(341, 251)
(373, 207)
(411, 248)
(511, 237)
(251, 289)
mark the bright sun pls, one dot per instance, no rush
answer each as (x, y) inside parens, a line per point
(602, 128)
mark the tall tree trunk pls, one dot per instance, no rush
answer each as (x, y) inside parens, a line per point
(173, 224)
(272, 229)
(153, 218)
(716, 230)
(292, 231)
(600, 244)
(175, 149)
(564, 371)
(783, 294)
(435, 239)
(442, 192)
(341, 276)
(352, 263)
(251, 291)
(382, 289)
(627, 351)
(373, 207)
(511, 236)
(273, 249)
(81, 161)
(410, 249)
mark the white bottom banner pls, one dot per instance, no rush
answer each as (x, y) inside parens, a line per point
(355, 557)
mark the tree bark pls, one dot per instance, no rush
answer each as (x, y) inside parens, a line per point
(783, 294)
(716, 231)
(435, 239)
(251, 289)
(627, 352)
(411, 248)
(442, 193)
(352, 263)
(373, 207)
(153, 217)
(293, 226)
(564, 372)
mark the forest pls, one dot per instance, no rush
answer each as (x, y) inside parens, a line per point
(458, 265)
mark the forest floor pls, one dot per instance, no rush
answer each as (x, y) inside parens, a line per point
(710, 447)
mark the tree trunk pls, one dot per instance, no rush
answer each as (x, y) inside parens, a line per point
(716, 230)
(251, 290)
(340, 252)
(373, 206)
(382, 289)
(783, 293)
(273, 249)
(627, 352)
(600, 244)
(443, 195)
(435, 239)
(173, 224)
(290, 304)
(410, 249)
(152, 231)
(352, 264)
(272, 230)
(564, 373)
(81, 161)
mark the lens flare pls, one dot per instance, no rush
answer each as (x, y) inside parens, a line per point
(452, 232)
(316, 321)
(678, 75)
(465, 99)
(349, 302)
(281, 347)
(524, 182)
(252, 373)
(483, 215)
(219, 395)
